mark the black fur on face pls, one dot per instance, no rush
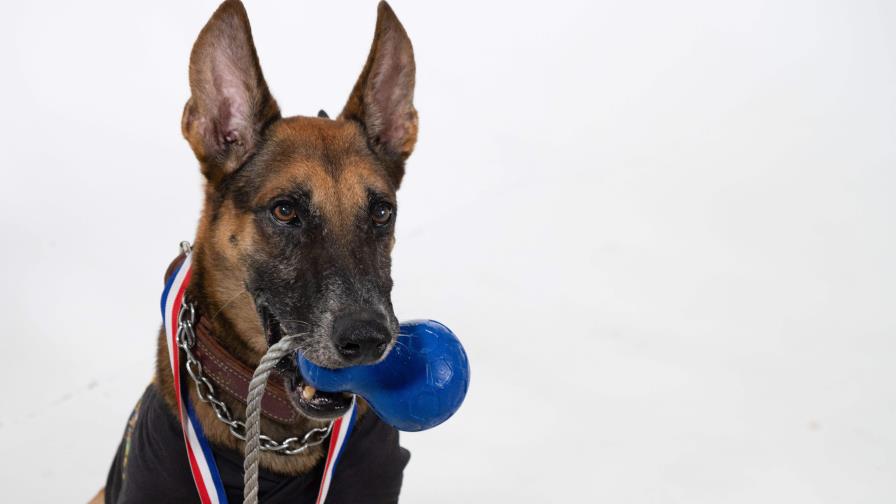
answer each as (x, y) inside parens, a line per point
(300, 211)
(321, 219)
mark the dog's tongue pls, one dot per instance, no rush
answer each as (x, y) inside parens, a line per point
(419, 385)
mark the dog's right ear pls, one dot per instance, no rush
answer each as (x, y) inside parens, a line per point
(230, 104)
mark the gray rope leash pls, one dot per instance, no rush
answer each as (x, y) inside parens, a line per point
(253, 414)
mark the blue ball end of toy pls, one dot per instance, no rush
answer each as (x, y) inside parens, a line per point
(419, 385)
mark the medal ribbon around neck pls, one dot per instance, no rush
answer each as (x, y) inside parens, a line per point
(199, 452)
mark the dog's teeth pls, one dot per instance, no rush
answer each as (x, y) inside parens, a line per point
(308, 392)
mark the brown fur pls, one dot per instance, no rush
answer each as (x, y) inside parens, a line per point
(340, 160)
(219, 263)
(99, 498)
(251, 156)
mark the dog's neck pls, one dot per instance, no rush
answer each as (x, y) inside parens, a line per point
(229, 325)
(228, 307)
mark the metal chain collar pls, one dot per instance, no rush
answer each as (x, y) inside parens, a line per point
(186, 339)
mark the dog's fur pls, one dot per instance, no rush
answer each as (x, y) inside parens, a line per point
(329, 267)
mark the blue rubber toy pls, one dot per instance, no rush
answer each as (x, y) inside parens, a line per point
(419, 385)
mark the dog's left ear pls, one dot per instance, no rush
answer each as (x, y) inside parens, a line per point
(383, 98)
(230, 105)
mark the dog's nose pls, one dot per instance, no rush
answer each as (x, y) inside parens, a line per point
(360, 341)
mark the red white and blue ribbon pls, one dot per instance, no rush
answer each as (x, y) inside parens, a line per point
(342, 428)
(199, 452)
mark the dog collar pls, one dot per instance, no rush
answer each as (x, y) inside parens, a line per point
(231, 375)
(178, 321)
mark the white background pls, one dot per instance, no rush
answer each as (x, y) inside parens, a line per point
(663, 230)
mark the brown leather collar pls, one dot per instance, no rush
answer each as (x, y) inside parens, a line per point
(229, 374)
(232, 376)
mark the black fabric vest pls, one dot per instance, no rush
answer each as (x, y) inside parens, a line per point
(151, 465)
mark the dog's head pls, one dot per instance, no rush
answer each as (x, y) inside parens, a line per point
(299, 216)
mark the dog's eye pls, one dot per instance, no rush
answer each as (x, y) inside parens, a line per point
(285, 212)
(381, 213)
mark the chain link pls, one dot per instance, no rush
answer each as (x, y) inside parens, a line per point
(186, 340)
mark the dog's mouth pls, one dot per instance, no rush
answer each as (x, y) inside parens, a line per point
(310, 402)
(314, 403)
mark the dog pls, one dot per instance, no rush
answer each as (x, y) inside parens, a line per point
(295, 237)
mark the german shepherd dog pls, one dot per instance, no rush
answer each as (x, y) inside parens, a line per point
(295, 237)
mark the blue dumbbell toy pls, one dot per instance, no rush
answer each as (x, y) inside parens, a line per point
(419, 385)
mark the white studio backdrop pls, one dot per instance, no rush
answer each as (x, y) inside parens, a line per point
(663, 230)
